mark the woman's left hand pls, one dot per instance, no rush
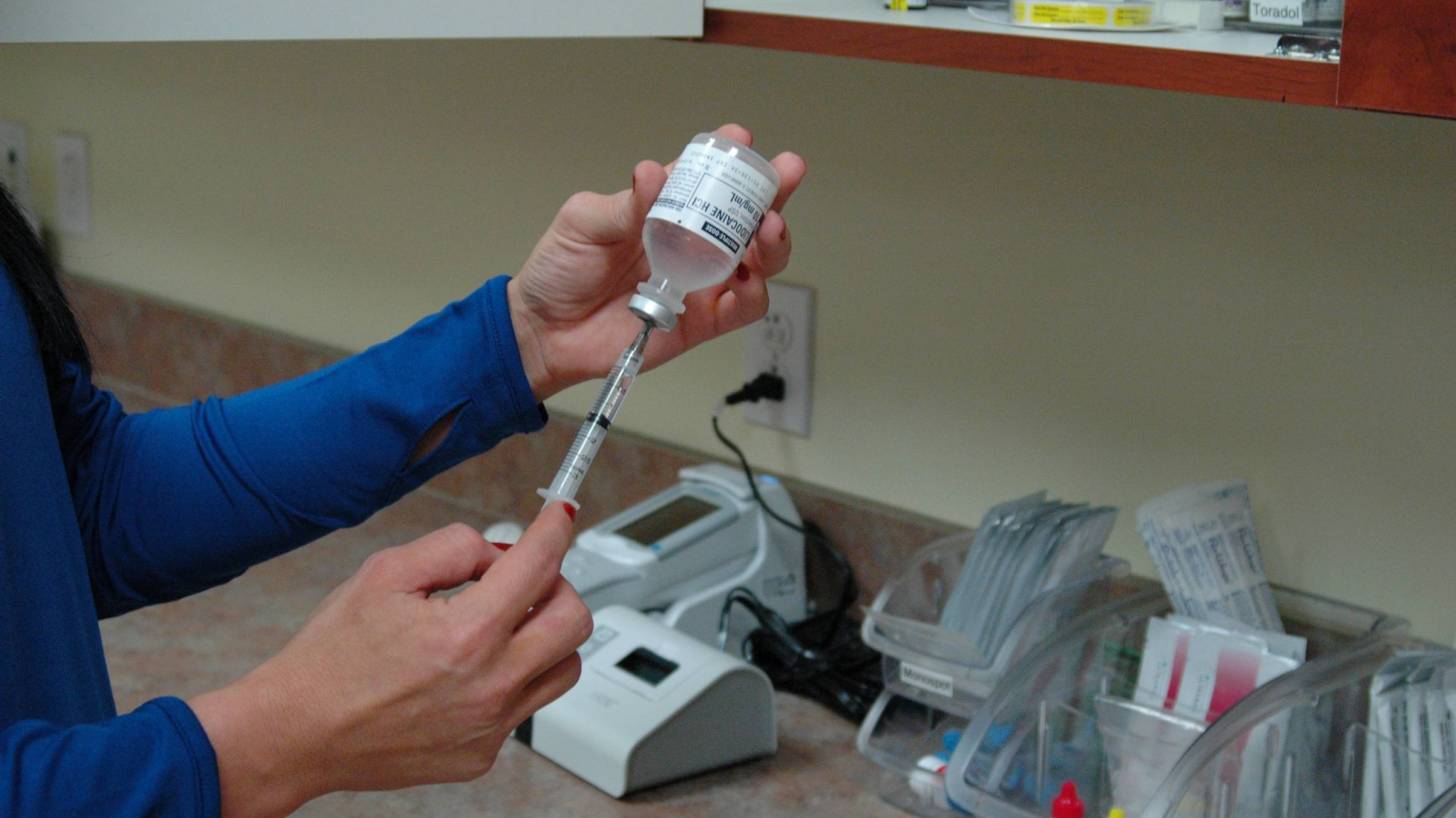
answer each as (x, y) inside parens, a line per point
(569, 302)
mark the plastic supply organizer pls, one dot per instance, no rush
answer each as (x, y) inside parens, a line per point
(911, 732)
(942, 668)
(936, 679)
(1300, 745)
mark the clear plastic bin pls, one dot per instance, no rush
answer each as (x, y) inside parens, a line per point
(1301, 747)
(898, 734)
(908, 725)
(1288, 749)
(944, 669)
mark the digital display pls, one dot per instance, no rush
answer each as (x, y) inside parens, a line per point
(647, 666)
(667, 520)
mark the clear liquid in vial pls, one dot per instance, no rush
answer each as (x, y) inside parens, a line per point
(682, 261)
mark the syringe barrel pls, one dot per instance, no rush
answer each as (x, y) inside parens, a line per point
(593, 430)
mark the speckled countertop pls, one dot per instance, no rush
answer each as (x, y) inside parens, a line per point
(193, 645)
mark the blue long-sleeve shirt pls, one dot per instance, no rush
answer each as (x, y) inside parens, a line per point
(102, 512)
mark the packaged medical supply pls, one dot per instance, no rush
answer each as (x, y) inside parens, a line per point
(1121, 15)
(1198, 669)
(1022, 547)
(943, 666)
(1407, 755)
(1202, 540)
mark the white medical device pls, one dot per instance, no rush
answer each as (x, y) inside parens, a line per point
(678, 554)
(653, 705)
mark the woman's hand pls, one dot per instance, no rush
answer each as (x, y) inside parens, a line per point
(391, 685)
(569, 303)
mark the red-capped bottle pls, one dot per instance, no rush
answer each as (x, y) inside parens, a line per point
(1067, 804)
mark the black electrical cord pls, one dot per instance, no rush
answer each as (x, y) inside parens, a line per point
(822, 657)
(771, 387)
(835, 669)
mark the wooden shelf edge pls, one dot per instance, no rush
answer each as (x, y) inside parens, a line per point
(1400, 57)
(1260, 78)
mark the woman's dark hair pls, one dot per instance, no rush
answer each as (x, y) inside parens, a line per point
(57, 332)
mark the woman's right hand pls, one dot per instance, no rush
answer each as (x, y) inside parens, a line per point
(390, 685)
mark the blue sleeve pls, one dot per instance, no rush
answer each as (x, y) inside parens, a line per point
(155, 762)
(174, 501)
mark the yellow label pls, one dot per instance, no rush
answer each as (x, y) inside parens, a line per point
(1068, 14)
(1132, 16)
(898, 5)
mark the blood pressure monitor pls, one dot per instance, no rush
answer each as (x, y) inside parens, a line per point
(678, 554)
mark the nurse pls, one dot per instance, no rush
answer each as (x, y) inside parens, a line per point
(387, 685)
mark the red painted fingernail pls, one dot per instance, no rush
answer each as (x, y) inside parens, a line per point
(504, 546)
(570, 512)
(742, 274)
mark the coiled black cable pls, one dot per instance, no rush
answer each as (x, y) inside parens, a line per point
(822, 657)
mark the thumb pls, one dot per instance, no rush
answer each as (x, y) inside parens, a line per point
(548, 538)
(629, 207)
(603, 219)
(527, 572)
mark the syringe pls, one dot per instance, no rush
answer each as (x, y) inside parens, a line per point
(594, 429)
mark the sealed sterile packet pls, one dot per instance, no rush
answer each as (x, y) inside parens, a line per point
(1023, 548)
(1408, 757)
(1202, 540)
(1221, 669)
(1198, 669)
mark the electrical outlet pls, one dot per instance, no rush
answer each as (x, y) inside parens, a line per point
(73, 185)
(782, 342)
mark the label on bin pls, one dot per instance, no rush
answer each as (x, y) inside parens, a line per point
(1279, 12)
(927, 680)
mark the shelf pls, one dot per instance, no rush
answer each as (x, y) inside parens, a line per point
(1220, 63)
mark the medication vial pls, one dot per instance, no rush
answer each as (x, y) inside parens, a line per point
(696, 233)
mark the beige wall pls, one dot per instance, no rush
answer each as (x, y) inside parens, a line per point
(1022, 283)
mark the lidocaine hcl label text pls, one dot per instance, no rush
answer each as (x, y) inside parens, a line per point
(715, 195)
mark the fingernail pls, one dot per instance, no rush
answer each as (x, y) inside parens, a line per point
(504, 546)
(784, 235)
(570, 512)
(742, 274)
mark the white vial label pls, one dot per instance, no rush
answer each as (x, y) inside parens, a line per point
(715, 195)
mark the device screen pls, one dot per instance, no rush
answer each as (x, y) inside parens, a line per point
(647, 666)
(664, 521)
